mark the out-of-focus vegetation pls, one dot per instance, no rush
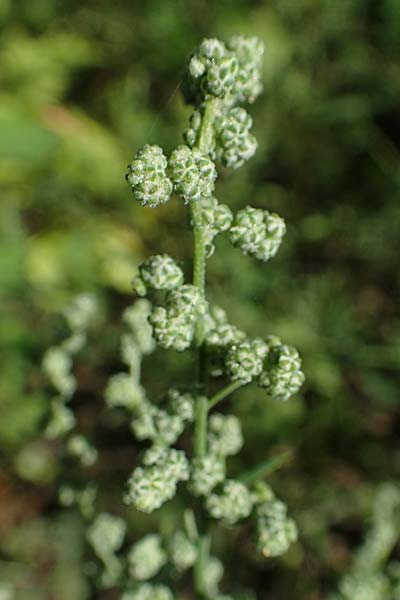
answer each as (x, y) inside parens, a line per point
(82, 86)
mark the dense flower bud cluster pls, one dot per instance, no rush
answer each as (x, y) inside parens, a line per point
(218, 332)
(174, 323)
(192, 173)
(215, 218)
(79, 447)
(275, 531)
(122, 390)
(225, 436)
(159, 272)
(282, 376)
(234, 142)
(234, 503)
(149, 591)
(181, 404)
(151, 486)
(244, 361)
(257, 232)
(146, 557)
(106, 535)
(231, 72)
(158, 425)
(183, 551)
(206, 472)
(147, 174)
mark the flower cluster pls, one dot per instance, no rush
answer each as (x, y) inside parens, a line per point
(225, 436)
(123, 391)
(206, 472)
(231, 72)
(174, 323)
(148, 178)
(183, 551)
(244, 361)
(234, 144)
(234, 503)
(106, 535)
(192, 173)
(275, 531)
(215, 218)
(257, 232)
(219, 333)
(282, 376)
(159, 272)
(155, 483)
(146, 557)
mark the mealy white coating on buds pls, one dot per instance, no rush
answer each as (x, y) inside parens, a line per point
(244, 361)
(159, 272)
(234, 142)
(148, 178)
(81, 312)
(136, 317)
(80, 447)
(61, 421)
(183, 552)
(249, 51)
(219, 332)
(282, 376)
(57, 365)
(123, 391)
(146, 557)
(232, 504)
(150, 487)
(193, 174)
(275, 531)
(225, 436)
(257, 232)
(106, 534)
(174, 324)
(206, 472)
(148, 591)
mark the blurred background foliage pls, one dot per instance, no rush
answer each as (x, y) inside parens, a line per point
(82, 86)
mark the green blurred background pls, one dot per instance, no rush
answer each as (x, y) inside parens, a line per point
(82, 86)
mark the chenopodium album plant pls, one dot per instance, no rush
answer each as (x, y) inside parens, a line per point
(175, 314)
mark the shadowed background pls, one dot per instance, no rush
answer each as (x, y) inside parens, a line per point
(82, 86)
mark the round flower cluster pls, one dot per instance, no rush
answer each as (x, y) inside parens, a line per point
(158, 425)
(206, 472)
(244, 361)
(234, 142)
(159, 272)
(106, 535)
(123, 391)
(225, 436)
(174, 323)
(282, 376)
(136, 317)
(257, 232)
(183, 551)
(192, 173)
(155, 483)
(146, 557)
(234, 503)
(147, 174)
(231, 71)
(149, 591)
(215, 218)
(275, 531)
(218, 332)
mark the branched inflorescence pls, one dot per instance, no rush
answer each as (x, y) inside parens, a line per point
(174, 314)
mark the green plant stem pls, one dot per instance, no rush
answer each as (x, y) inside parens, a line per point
(222, 394)
(265, 467)
(204, 142)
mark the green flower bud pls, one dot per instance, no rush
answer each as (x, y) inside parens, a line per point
(257, 232)
(161, 272)
(136, 317)
(220, 76)
(81, 312)
(249, 52)
(275, 531)
(123, 391)
(282, 376)
(244, 361)
(206, 472)
(148, 591)
(192, 173)
(81, 448)
(146, 558)
(215, 218)
(235, 144)
(233, 504)
(181, 404)
(190, 134)
(106, 535)
(148, 178)
(219, 333)
(225, 434)
(183, 551)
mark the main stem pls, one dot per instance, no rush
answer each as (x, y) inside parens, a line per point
(204, 141)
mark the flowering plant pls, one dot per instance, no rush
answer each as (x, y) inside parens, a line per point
(174, 314)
